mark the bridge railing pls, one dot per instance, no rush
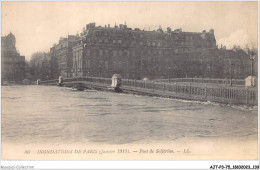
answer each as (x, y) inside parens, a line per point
(204, 80)
(225, 94)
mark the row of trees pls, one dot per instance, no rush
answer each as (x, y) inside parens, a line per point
(38, 67)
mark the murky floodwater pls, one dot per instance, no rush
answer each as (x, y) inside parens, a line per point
(50, 114)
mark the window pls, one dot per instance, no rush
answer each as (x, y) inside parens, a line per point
(88, 51)
(133, 53)
(106, 52)
(127, 52)
(106, 65)
(153, 43)
(100, 52)
(95, 52)
(114, 65)
(100, 41)
(106, 40)
(88, 64)
(120, 52)
(114, 53)
(119, 41)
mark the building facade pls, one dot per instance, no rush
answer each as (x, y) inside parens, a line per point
(61, 57)
(137, 54)
(234, 63)
(12, 63)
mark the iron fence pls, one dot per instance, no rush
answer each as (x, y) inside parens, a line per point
(192, 91)
(204, 80)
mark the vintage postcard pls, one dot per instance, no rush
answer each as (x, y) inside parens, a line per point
(129, 80)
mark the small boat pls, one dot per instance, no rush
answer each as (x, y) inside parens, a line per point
(59, 84)
(79, 87)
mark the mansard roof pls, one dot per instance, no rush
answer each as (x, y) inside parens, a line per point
(124, 32)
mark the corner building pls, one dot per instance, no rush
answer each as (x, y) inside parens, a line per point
(136, 54)
(61, 57)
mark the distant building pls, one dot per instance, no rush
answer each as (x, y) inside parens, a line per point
(136, 54)
(40, 65)
(61, 57)
(13, 64)
(235, 63)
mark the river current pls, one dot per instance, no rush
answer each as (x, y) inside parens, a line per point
(50, 114)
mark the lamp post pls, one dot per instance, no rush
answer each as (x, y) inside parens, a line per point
(251, 57)
(142, 69)
(230, 73)
(99, 66)
(169, 73)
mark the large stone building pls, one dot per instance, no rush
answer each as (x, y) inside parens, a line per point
(61, 57)
(13, 64)
(136, 54)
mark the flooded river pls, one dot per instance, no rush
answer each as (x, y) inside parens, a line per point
(50, 114)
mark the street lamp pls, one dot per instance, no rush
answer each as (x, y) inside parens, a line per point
(99, 70)
(142, 68)
(230, 73)
(169, 73)
(251, 57)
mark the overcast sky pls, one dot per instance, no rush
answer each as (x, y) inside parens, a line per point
(38, 25)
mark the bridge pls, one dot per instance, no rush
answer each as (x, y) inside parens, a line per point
(236, 94)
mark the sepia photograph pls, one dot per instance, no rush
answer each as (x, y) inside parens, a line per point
(124, 80)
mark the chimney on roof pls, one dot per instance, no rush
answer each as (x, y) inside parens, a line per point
(211, 31)
(169, 30)
(108, 25)
(160, 29)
